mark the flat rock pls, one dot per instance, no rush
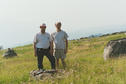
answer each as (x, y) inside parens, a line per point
(42, 74)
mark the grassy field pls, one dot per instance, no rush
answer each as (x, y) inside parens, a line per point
(85, 65)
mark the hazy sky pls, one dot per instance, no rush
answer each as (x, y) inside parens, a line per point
(20, 19)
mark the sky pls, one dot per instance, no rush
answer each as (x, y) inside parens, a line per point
(20, 19)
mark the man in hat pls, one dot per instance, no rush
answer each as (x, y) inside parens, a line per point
(43, 47)
(60, 44)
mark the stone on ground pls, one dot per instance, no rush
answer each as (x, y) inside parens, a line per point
(10, 53)
(115, 48)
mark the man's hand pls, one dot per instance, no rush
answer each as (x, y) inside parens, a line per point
(35, 54)
(51, 52)
(65, 51)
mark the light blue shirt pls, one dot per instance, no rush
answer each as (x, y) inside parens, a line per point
(59, 39)
(42, 40)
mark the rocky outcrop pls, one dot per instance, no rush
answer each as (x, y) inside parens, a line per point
(115, 48)
(10, 53)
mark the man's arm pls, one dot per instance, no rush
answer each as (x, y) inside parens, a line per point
(51, 47)
(66, 46)
(51, 44)
(35, 50)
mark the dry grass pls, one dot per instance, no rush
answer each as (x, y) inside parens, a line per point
(85, 65)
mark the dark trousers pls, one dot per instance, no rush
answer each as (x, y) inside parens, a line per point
(44, 52)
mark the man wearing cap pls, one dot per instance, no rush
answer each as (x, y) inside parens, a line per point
(60, 44)
(43, 47)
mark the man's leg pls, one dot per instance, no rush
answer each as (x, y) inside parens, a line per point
(63, 56)
(63, 63)
(51, 59)
(40, 59)
(57, 54)
(57, 62)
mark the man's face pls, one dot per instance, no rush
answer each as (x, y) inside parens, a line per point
(43, 28)
(58, 26)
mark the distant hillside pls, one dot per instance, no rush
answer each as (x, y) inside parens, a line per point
(85, 64)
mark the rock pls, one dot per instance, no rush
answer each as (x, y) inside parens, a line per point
(42, 74)
(10, 53)
(115, 48)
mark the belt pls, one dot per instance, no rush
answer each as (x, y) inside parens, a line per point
(42, 49)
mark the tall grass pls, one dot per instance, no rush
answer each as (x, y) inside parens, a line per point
(85, 65)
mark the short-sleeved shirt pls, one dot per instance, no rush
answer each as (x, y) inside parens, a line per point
(59, 39)
(42, 40)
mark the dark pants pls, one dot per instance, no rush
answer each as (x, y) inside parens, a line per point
(44, 52)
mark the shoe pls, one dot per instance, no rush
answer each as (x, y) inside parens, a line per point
(41, 70)
(53, 70)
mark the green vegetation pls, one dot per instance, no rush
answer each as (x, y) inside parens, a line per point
(85, 65)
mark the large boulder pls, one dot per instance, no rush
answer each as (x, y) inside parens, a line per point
(115, 48)
(10, 53)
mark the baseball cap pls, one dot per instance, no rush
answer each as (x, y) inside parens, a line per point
(43, 25)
